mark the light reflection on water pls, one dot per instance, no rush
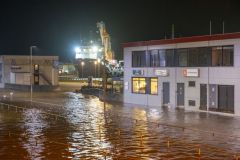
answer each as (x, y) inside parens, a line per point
(92, 131)
(33, 126)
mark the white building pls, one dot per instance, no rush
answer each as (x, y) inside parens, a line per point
(201, 72)
(15, 71)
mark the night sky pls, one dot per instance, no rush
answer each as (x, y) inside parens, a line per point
(56, 27)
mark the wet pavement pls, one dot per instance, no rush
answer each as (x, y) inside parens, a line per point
(74, 126)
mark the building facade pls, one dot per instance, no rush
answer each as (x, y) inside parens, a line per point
(197, 73)
(17, 70)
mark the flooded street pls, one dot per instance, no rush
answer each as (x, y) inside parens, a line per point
(76, 126)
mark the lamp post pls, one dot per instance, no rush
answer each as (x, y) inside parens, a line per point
(82, 64)
(30, 67)
(95, 65)
(99, 67)
(98, 60)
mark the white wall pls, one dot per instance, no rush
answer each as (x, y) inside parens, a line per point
(217, 75)
(45, 64)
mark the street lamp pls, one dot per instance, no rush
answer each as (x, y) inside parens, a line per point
(95, 65)
(98, 60)
(82, 64)
(30, 67)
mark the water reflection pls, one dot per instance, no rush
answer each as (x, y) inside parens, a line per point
(33, 126)
(88, 129)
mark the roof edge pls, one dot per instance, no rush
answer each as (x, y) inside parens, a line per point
(183, 40)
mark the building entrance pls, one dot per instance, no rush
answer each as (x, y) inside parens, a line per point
(203, 96)
(180, 94)
(226, 98)
(166, 93)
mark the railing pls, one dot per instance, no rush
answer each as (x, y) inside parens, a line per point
(77, 79)
(45, 78)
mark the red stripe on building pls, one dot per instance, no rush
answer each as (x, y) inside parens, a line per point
(183, 40)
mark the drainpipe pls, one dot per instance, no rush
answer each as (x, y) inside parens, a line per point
(147, 76)
(208, 99)
(175, 78)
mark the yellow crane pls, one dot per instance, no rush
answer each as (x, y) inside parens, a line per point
(106, 41)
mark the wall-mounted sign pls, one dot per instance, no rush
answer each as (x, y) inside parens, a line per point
(161, 72)
(138, 72)
(16, 67)
(191, 73)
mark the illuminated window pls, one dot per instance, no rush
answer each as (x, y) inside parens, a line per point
(139, 85)
(154, 86)
(36, 67)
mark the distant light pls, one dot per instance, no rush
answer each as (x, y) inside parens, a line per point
(77, 50)
(91, 41)
(95, 48)
(98, 60)
(100, 50)
(95, 62)
(82, 63)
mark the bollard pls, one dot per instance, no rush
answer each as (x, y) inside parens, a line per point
(168, 144)
(199, 151)
(237, 157)
(119, 132)
(99, 132)
(141, 138)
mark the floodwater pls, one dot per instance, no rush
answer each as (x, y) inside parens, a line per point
(74, 126)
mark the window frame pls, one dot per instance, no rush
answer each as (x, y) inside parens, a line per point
(206, 56)
(192, 86)
(150, 85)
(139, 81)
(139, 63)
(231, 56)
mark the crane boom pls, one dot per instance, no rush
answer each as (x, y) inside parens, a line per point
(106, 41)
